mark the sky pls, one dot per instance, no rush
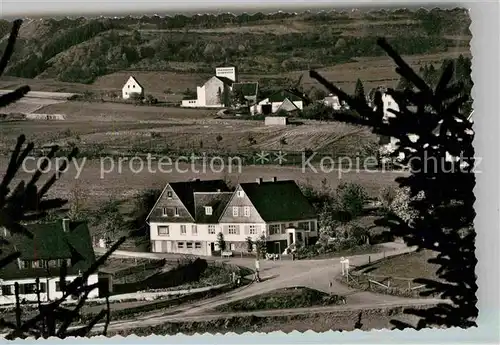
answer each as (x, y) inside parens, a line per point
(10, 9)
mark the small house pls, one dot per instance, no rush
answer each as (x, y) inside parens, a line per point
(42, 256)
(284, 100)
(132, 88)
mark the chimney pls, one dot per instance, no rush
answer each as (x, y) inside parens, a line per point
(275, 179)
(259, 180)
(65, 224)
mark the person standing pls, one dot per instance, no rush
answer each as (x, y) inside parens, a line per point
(257, 268)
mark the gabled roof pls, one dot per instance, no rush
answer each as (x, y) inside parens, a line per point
(279, 201)
(247, 89)
(136, 81)
(185, 190)
(225, 80)
(281, 95)
(50, 242)
(287, 106)
(217, 201)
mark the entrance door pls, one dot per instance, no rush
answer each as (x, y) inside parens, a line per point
(290, 238)
(277, 248)
(169, 246)
(212, 247)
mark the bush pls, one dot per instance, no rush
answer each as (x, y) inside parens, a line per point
(351, 198)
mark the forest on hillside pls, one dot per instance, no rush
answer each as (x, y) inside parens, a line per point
(82, 49)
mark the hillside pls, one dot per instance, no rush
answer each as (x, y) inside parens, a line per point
(83, 49)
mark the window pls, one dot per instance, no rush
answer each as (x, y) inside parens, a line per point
(246, 210)
(165, 212)
(235, 211)
(304, 226)
(208, 210)
(169, 194)
(211, 229)
(58, 285)
(313, 226)
(126, 93)
(241, 194)
(164, 230)
(183, 229)
(274, 229)
(176, 212)
(189, 245)
(197, 245)
(128, 86)
(7, 290)
(232, 246)
(133, 86)
(36, 264)
(232, 229)
(194, 230)
(253, 230)
(29, 288)
(180, 244)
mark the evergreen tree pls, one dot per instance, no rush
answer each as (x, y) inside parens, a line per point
(359, 90)
(440, 189)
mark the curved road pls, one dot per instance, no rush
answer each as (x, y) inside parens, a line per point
(317, 274)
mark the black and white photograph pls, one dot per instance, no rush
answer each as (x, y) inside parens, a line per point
(251, 171)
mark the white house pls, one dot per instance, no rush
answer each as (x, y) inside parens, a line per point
(332, 101)
(212, 93)
(285, 100)
(189, 216)
(42, 257)
(131, 87)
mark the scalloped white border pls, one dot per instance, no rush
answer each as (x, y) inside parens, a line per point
(485, 73)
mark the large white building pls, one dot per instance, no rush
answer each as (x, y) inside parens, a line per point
(42, 257)
(188, 217)
(216, 90)
(131, 87)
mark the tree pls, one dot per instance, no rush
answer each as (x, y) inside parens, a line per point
(261, 247)
(249, 244)
(221, 242)
(27, 202)
(107, 222)
(77, 209)
(359, 90)
(445, 210)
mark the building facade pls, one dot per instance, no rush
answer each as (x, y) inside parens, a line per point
(53, 245)
(284, 100)
(131, 87)
(189, 216)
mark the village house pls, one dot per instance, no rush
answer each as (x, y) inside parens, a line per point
(332, 101)
(42, 257)
(284, 100)
(132, 87)
(188, 217)
(218, 91)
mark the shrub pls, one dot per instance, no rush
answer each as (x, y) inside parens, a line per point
(351, 198)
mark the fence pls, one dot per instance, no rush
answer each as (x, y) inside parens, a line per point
(385, 284)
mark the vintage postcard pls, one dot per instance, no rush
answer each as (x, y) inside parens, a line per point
(237, 172)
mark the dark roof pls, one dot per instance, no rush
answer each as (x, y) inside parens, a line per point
(137, 81)
(279, 201)
(50, 242)
(225, 80)
(185, 190)
(217, 201)
(281, 95)
(247, 89)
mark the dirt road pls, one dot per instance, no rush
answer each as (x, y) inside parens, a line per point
(317, 274)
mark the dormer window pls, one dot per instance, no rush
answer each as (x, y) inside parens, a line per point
(208, 210)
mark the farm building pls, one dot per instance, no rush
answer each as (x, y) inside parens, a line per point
(132, 87)
(284, 100)
(276, 121)
(189, 216)
(247, 90)
(43, 256)
(215, 92)
(332, 101)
